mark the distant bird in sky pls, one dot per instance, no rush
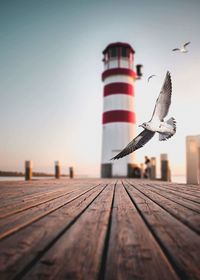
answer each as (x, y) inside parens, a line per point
(166, 129)
(183, 48)
(150, 77)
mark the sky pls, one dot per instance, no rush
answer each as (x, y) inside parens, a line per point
(51, 93)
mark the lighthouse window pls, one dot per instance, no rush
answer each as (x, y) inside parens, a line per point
(124, 52)
(113, 52)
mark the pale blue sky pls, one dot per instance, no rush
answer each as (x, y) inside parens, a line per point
(50, 76)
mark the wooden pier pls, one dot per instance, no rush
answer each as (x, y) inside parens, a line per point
(99, 229)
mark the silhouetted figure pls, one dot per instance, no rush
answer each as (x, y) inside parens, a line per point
(147, 171)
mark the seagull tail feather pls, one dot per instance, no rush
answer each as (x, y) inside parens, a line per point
(172, 122)
(164, 137)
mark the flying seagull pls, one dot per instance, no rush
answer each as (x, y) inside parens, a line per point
(183, 48)
(165, 129)
(150, 77)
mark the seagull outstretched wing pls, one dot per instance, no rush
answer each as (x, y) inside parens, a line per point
(138, 142)
(150, 77)
(176, 49)
(186, 44)
(164, 99)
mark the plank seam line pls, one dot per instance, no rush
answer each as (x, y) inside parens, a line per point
(40, 254)
(181, 274)
(180, 219)
(14, 230)
(104, 257)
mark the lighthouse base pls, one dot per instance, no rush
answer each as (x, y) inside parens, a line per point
(132, 171)
(106, 170)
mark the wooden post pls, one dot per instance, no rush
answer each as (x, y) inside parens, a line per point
(165, 171)
(71, 172)
(28, 170)
(153, 168)
(193, 159)
(57, 169)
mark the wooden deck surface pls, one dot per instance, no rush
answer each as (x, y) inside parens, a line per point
(99, 229)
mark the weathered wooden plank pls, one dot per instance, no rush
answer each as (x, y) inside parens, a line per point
(34, 191)
(18, 189)
(185, 215)
(33, 200)
(178, 194)
(19, 220)
(174, 197)
(77, 253)
(24, 203)
(39, 190)
(34, 186)
(24, 248)
(187, 186)
(182, 190)
(41, 187)
(180, 243)
(133, 252)
(41, 248)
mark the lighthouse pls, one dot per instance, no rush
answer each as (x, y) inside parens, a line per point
(118, 118)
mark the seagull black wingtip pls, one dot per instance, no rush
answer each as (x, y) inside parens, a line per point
(113, 158)
(116, 157)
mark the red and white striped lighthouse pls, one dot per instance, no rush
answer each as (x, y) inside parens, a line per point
(118, 109)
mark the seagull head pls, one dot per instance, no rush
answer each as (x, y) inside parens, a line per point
(144, 125)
